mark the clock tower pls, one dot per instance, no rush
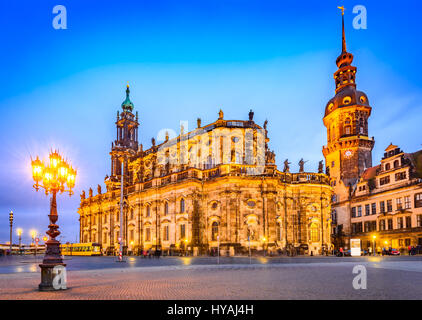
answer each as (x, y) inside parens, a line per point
(348, 152)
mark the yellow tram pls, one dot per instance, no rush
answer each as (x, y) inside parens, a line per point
(81, 249)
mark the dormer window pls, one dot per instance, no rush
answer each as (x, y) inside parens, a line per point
(396, 163)
(384, 180)
(387, 166)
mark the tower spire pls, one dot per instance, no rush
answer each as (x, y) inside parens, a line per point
(343, 39)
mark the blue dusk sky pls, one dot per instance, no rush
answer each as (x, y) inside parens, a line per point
(187, 59)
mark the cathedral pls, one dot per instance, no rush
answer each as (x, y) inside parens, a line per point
(216, 187)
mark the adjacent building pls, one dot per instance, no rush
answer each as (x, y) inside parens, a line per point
(386, 204)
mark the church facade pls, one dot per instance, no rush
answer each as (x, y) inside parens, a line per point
(214, 187)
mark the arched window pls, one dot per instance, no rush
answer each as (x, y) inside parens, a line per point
(166, 233)
(396, 163)
(314, 232)
(166, 208)
(214, 231)
(387, 166)
(182, 205)
(148, 211)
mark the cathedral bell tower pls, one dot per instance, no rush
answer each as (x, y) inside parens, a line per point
(348, 150)
(126, 143)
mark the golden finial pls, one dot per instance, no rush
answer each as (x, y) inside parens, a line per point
(127, 84)
(342, 10)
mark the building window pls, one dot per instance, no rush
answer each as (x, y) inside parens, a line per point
(367, 227)
(105, 237)
(373, 225)
(374, 208)
(419, 220)
(334, 216)
(367, 211)
(359, 211)
(390, 224)
(408, 222)
(148, 234)
(384, 180)
(182, 205)
(382, 225)
(407, 242)
(148, 211)
(314, 233)
(418, 200)
(399, 204)
(354, 212)
(389, 205)
(387, 166)
(400, 176)
(347, 130)
(214, 231)
(166, 233)
(396, 163)
(400, 223)
(182, 231)
(166, 208)
(407, 204)
(131, 235)
(382, 206)
(131, 214)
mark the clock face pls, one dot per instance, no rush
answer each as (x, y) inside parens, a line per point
(348, 154)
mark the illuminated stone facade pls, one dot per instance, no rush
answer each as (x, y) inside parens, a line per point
(216, 185)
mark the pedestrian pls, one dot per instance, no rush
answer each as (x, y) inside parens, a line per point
(409, 249)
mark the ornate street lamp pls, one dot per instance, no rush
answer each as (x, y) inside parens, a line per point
(53, 178)
(11, 226)
(19, 231)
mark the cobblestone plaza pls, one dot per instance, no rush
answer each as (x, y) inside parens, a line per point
(183, 278)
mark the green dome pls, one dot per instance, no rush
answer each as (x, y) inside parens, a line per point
(127, 105)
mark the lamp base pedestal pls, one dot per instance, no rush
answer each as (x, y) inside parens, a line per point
(53, 277)
(53, 270)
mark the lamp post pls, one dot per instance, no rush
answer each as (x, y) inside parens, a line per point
(249, 242)
(264, 240)
(53, 178)
(34, 235)
(218, 249)
(19, 231)
(11, 227)
(374, 237)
